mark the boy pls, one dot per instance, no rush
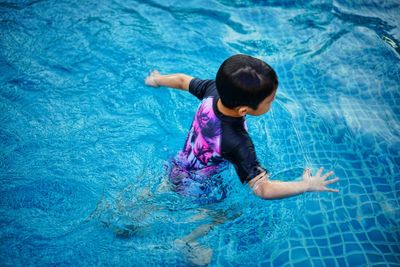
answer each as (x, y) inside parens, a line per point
(218, 135)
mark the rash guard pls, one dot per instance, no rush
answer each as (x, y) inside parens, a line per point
(213, 141)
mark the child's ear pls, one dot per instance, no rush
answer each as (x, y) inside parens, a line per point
(242, 111)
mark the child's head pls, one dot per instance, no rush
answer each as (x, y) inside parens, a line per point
(243, 80)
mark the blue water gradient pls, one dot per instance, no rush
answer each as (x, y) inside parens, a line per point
(84, 143)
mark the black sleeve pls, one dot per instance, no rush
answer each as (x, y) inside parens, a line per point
(243, 158)
(202, 88)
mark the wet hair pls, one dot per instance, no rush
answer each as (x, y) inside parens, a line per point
(243, 80)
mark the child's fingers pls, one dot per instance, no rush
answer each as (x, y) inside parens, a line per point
(331, 190)
(307, 172)
(147, 81)
(326, 175)
(154, 72)
(319, 172)
(332, 181)
(150, 81)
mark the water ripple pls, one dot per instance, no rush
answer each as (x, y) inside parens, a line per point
(21, 5)
(379, 17)
(84, 143)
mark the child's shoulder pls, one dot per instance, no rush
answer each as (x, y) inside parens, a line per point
(236, 135)
(202, 88)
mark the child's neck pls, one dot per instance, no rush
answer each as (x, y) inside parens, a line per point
(227, 111)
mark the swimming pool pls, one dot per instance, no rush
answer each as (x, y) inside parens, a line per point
(84, 143)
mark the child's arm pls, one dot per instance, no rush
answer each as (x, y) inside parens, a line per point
(178, 80)
(273, 189)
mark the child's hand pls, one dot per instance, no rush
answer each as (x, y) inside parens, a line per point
(151, 79)
(319, 183)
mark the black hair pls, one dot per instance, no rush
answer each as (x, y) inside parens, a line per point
(243, 80)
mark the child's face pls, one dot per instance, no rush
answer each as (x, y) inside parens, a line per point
(263, 107)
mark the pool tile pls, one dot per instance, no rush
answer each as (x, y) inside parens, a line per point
(263, 264)
(325, 251)
(315, 219)
(317, 262)
(282, 259)
(318, 231)
(310, 242)
(322, 242)
(341, 261)
(337, 249)
(368, 247)
(364, 198)
(330, 262)
(351, 247)
(375, 235)
(361, 236)
(368, 223)
(344, 227)
(295, 243)
(391, 259)
(353, 211)
(381, 219)
(356, 260)
(313, 251)
(332, 227)
(335, 239)
(305, 263)
(376, 258)
(348, 237)
(367, 209)
(350, 200)
(396, 249)
(383, 248)
(356, 225)
(298, 253)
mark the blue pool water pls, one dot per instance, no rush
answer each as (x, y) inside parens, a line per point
(84, 144)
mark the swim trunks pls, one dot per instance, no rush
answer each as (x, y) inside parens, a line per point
(213, 141)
